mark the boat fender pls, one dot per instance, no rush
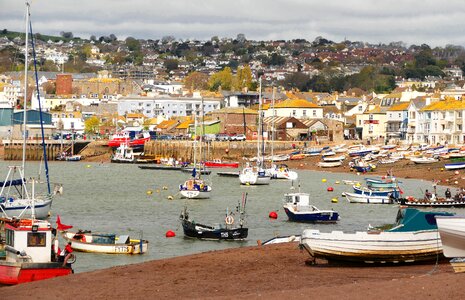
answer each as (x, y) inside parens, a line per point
(170, 197)
(229, 220)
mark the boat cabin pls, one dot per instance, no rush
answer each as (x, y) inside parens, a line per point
(298, 199)
(28, 240)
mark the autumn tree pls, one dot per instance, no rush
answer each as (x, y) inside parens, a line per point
(196, 81)
(223, 79)
(91, 124)
(243, 78)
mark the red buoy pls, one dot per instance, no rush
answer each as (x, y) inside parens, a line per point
(330, 189)
(170, 234)
(273, 215)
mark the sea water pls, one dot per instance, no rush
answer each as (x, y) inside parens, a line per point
(124, 199)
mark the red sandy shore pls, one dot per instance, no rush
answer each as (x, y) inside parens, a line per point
(266, 272)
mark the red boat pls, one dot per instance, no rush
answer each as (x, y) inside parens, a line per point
(218, 163)
(134, 138)
(28, 251)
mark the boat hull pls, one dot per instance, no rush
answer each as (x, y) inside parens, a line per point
(16, 273)
(312, 217)
(134, 246)
(200, 231)
(368, 199)
(195, 194)
(452, 232)
(41, 210)
(378, 247)
(455, 166)
(214, 164)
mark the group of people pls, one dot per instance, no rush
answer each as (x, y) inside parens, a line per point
(459, 195)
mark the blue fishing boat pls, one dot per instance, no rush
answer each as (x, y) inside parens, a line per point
(455, 165)
(394, 192)
(379, 183)
(298, 208)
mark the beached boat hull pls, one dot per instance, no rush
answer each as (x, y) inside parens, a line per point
(329, 164)
(422, 160)
(199, 231)
(15, 273)
(223, 164)
(455, 166)
(452, 232)
(377, 247)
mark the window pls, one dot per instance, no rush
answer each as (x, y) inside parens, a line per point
(314, 113)
(304, 112)
(36, 239)
(399, 115)
(147, 111)
(10, 237)
(294, 112)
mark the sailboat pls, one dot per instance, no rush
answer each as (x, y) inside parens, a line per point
(256, 175)
(196, 187)
(29, 253)
(280, 171)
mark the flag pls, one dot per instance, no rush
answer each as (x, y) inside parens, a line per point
(60, 226)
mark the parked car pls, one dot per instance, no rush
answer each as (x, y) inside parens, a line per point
(222, 137)
(238, 137)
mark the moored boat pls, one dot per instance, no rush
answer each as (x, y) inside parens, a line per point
(298, 208)
(368, 199)
(452, 232)
(218, 163)
(433, 203)
(414, 238)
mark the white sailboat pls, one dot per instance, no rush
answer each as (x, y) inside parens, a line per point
(16, 200)
(196, 187)
(256, 175)
(281, 171)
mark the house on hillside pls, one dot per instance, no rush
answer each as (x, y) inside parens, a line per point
(297, 108)
(285, 129)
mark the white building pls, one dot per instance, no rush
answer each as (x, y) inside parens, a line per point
(297, 108)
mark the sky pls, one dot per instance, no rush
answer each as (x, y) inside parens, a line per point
(436, 23)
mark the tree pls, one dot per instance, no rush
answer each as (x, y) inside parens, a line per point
(171, 64)
(241, 38)
(66, 35)
(113, 37)
(132, 44)
(91, 125)
(223, 79)
(196, 81)
(243, 78)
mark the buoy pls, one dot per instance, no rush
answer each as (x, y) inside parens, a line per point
(170, 234)
(165, 187)
(301, 165)
(358, 173)
(456, 172)
(247, 183)
(447, 179)
(330, 189)
(456, 182)
(158, 191)
(442, 169)
(334, 200)
(358, 184)
(337, 182)
(226, 150)
(170, 197)
(323, 180)
(88, 166)
(149, 192)
(273, 215)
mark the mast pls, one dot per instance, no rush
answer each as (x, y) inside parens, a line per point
(272, 126)
(259, 121)
(26, 54)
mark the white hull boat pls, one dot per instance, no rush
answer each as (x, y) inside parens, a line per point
(452, 232)
(334, 158)
(329, 164)
(423, 160)
(368, 199)
(248, 176)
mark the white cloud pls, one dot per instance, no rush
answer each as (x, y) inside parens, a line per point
(412, 21)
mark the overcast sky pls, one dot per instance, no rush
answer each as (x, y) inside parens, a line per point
(436, 23)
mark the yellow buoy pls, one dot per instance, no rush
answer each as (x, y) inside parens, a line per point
(334, 200)
(323, 180)
(165, 187)
(149, 192)
(358, 184)
(158, 191)
(88, 166)
(442, 169)
(337, 182)
(170, 197)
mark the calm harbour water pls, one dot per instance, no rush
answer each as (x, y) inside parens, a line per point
(113, 198)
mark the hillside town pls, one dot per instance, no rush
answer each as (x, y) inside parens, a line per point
(318, 91)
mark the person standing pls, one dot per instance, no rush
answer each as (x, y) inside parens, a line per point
(67, 253)
(448, 194)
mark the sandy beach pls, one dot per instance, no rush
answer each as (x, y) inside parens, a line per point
(265, 272)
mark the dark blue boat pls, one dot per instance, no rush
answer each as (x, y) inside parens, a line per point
(298, 209)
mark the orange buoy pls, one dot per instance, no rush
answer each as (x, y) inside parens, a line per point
(170, 234)
(330, 189)
(226, 150)
(456, 172)
(273, 215)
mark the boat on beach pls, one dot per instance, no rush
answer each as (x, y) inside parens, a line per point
(455, 165)
(423, 160)
(29, 256)
(329, 164)
(452, 232)
(414, 238)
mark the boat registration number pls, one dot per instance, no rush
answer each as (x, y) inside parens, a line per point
(121, 249)
(224, 234)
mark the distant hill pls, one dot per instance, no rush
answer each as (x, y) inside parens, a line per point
(13, 34)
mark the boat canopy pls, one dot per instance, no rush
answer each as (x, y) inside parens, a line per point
(411, 219)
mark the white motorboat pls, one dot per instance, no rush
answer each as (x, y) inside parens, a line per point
(329, 164)
(367, 198)
(452, 232)
(334, 158)
(254, 176)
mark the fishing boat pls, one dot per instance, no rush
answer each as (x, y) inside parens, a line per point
(133, 136)
(67, 157)
(329, 164)
(432, 203)
(29, 255)
(218, 163)
(298, 208)
(414, 238)
(394, 192)
(452, 232)
(368, 199)
(282, 171)
(110, 243)
(390, 182)
(423, 160)
(124, 154)
(455, 165)
(230, 230)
